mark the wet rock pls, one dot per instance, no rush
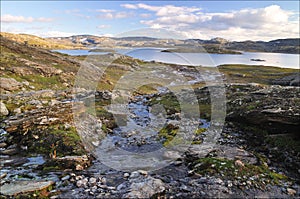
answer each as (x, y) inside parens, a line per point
(18, 187)
(14, 161)
(67, 177)
(3, 110)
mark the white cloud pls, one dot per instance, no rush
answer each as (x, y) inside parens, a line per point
(256, 24)
(21, 19)
(105, 10)
(145, 15)
(115, 15)
(129, 6)
(103, 26)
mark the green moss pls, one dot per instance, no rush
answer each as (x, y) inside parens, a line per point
(199, 131)
(167, 134)
(226, 169)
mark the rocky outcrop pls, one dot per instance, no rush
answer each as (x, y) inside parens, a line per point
(23, 187)
(272, 108)
(9, 84)
(291, 80)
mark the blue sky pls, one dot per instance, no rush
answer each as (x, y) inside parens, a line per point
(233, 20)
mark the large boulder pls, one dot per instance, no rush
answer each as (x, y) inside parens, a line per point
(9, 84)
(22, 187)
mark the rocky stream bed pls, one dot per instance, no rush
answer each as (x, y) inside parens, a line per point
(241, 164)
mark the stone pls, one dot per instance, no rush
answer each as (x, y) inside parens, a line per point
(16, 187)
(134, 174)
(17, 111)
(145, 188)
(143, 172)
(239, 163)
(10, 84)
(126, 175)
(291, 192)
(3, 145)
(93, 181)
(67, 177)
(3, 110)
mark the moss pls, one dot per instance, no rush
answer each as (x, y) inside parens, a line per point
(199, 131)
(167, 134)
(226, 169)
(56, 141)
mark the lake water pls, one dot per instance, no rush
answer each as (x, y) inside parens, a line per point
(204, 59)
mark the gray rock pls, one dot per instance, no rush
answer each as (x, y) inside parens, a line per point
(67, 177)
(93, 181)
(17, 187)
(3, 110)
(145, 188)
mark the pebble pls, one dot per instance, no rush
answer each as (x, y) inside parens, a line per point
(126, 175)
(143, 172)
(67, 177)
(134, 174)
(93, 181)
(291, 192)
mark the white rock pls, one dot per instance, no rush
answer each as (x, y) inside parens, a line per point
(3, 109)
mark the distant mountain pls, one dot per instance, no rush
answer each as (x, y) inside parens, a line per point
(215, 45)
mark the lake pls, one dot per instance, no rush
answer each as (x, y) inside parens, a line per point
(148, 54)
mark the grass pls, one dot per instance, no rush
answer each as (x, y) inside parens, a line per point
(238, 73)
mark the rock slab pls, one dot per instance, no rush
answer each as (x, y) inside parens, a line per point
(18, 187)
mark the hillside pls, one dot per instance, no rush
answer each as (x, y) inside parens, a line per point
(35, 41)
(215, 45)
(38, 68)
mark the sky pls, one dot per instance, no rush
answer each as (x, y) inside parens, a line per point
(232, 20)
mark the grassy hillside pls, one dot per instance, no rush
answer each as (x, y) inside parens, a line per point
(36, 41)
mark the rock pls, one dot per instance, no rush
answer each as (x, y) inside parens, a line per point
(3, 175)
(143, 172)
(93, 181)
(79, 183)
(126, 175)
(12, 151)
(291, 192)
(3, 145)
(17, 111)
(291, 80)
(145, 188)
(3, 110)
(17, 187)
(10, 84)
(239, 163)
(15, 161)
(67, 177)
(134, 174)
